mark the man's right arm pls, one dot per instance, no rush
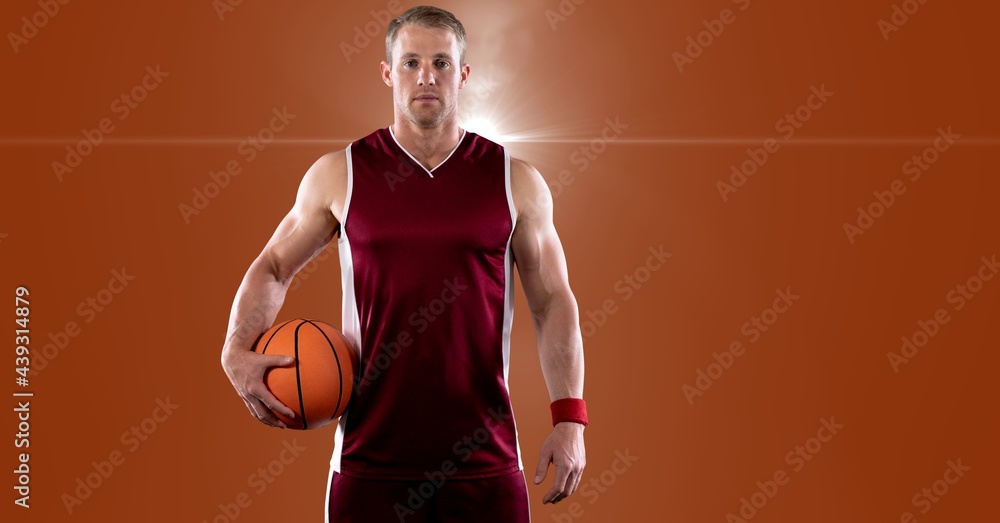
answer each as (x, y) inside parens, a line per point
(302, 234)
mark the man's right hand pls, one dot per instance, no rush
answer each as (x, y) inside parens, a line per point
(246, 372)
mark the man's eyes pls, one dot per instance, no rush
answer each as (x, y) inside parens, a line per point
(412, 63)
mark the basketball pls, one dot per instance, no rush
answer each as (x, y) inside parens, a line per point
(318, 386)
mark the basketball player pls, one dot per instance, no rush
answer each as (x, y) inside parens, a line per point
(431, 219)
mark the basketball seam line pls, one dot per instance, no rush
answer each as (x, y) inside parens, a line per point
(298, 378)
(264, 350)
(340, 372)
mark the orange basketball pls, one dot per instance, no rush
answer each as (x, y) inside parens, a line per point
(319, 385)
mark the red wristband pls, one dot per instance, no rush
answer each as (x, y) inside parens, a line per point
(569, 409)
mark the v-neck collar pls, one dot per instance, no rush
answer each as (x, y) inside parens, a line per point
(430, 172)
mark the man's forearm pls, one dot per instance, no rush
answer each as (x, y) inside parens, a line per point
(560, 347)
(257, 303)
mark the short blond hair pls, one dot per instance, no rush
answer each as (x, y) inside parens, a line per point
(425, 16)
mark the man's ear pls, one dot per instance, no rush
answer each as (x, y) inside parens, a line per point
(465, 76)
(386, 71)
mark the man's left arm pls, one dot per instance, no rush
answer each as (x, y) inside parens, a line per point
(541, 262)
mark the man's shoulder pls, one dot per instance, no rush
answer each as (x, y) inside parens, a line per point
(528, 189)
(525, 178)
(326, 180)
(330, 164)
(522, 169)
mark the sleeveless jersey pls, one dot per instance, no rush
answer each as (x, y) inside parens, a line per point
(426, 271)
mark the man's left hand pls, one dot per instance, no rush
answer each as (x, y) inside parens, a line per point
(564, 448)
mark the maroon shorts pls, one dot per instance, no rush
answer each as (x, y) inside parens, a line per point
(500, 499)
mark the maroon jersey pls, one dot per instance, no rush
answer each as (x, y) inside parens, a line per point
(427, 300)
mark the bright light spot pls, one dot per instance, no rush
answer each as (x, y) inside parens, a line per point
(483, 127)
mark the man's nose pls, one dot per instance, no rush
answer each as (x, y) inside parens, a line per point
(425, 76)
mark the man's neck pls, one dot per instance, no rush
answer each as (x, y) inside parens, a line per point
(429, 145)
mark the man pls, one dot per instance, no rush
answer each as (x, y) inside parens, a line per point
(431, 219)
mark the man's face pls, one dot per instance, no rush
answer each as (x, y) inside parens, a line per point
(425, 75)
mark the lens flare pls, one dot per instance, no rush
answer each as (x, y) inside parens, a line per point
(482, 127)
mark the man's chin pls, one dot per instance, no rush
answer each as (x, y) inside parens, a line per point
(427, 118)
(427, 121)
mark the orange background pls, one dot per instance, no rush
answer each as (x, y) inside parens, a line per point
(655, 185)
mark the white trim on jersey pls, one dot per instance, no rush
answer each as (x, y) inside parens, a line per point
(508, 295)
(326, 509)
(429, 172)
(350, 320)
(527, 494)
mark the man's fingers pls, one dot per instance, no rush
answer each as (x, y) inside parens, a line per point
(265, 397)
(246, 371)
(265, 415)
(553, 496)
(562, 475)
(573, 482)
(558, 490)
(543, 465)
(249, 407)
(576, 481)
(259, 390)
(275, 360)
